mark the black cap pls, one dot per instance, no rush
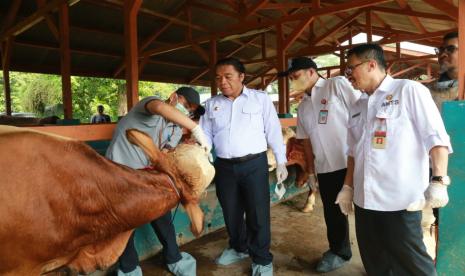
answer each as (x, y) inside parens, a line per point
(299, 63)
(192, 97)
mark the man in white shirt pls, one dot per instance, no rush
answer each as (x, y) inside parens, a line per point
(393, 129)
(322, 124)
(241, 123)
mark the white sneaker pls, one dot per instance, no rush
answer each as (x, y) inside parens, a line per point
(230, 256)
(187, 266)
(262, 270)
(135, 272)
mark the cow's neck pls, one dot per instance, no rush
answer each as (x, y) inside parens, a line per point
(133, 197)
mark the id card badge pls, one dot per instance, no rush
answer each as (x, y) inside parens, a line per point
(323, 116)
(379, 140)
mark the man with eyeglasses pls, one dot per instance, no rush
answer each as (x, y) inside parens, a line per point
(446, 88)
(393, 129)
(322, 125)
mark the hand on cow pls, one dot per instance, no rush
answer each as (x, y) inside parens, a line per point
(281, 173)
(436, 195)
(312, 183)
(344, 199)
(199, 136)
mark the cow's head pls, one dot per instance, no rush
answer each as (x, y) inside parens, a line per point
(187, 165)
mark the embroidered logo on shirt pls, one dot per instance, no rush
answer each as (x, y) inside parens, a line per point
(216, 108)
(389, 101)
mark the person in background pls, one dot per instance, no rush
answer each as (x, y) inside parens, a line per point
(322, 124)
(100, 117)
(163, 121)
(241, 123)
(393, 130)
(446, 88)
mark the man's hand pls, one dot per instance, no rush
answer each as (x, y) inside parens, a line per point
(312, 182)
(199, 136)
(416, 205)
(345, 198)
(436, 195)
(281, 173)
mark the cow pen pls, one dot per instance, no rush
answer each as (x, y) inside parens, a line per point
(180, 41)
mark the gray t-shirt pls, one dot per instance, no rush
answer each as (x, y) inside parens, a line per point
(123, 152)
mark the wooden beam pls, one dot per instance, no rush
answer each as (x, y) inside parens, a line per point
(248, 25)
(415, 21)
(369, 30)
(445, 7)
(131, 8)
(263, 42)
(296, 33)
(65, 61)
(11, 16)
(255, 7)
(320, 50)
(6, 57)
(227, 13)
(148, 40)
(213, 60)
(461, 75)
(283, 105)
(50, 23)
(411, 13)
(281, 6)
(408, 69)
(344, 22)
(34, 18)
(379, 20)
(242, 46)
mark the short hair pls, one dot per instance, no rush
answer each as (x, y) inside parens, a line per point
(369, 51)
(450, 35)
(100, 106)
(237, 64)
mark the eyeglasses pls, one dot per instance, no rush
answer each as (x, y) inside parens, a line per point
(350, 69)
(449, 49)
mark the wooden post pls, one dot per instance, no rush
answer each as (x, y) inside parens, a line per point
(283, 104)
(6, 55)
(65, 61)
(342, 63)
(461, 27)
(213, 60)
(368, 25)
(398, 50)
(131, 7)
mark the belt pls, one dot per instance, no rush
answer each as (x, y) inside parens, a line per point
(242, 159)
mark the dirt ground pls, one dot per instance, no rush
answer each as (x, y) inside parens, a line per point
(298, 240)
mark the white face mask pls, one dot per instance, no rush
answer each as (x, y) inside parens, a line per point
(301, 84)
(179, 106)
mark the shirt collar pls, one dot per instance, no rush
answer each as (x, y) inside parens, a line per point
(385, 85)
(320, 82)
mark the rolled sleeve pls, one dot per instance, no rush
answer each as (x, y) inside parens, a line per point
(206, 125)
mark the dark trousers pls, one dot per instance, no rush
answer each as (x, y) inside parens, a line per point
(337, 224)
(243, 188)
(391, 243)
(166, 234)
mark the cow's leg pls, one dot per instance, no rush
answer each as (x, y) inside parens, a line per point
(100, 255)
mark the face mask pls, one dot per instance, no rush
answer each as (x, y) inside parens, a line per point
(300, 84)
(182, 108)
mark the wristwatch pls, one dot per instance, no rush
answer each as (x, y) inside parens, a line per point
(444, 180)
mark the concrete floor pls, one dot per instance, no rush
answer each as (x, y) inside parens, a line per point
(298, 240)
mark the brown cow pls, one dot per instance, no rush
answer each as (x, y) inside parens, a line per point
(64, 205)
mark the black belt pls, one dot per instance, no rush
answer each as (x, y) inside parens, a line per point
(242, 159)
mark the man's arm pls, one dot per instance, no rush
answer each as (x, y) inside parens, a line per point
(439, 160)
(349, 179)
(309, 156)
(157, 107)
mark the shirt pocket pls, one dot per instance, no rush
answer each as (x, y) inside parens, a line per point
(218, 119)
(393, 119)
(252, 115)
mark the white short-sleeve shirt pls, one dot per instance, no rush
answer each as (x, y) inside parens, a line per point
(390, 179)
(329, 140)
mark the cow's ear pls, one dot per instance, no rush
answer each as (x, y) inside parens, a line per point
(145, 142)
